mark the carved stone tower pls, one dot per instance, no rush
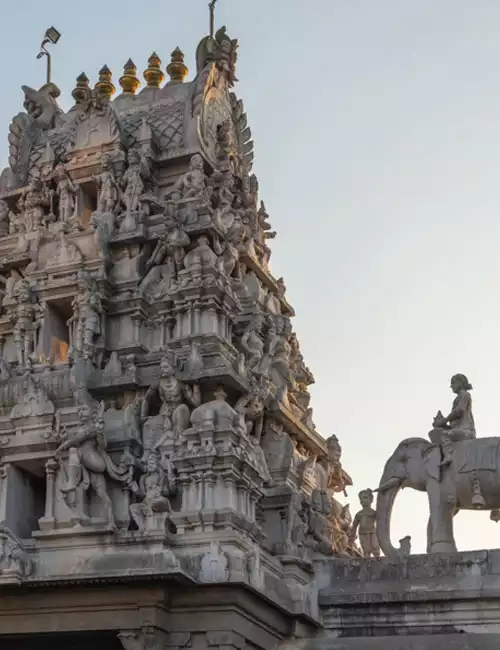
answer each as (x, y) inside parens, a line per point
(162, 483)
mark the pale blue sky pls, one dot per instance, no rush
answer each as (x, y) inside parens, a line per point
(377, 129)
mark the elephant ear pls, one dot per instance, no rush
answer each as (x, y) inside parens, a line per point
(432, 458)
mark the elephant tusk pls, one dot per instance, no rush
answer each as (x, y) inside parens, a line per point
(391, 483)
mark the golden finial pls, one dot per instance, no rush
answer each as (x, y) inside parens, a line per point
(129, 81)
(105, 86)
(81, 91)
(154, 75)
(177, 69)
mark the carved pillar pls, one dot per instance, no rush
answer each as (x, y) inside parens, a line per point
(197, 319)
(4, 471)
(136, 329)
(210, 480)
(47, 521)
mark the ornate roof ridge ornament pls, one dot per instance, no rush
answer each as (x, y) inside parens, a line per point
(51, 36)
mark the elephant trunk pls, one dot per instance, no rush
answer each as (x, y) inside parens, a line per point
(386, 496)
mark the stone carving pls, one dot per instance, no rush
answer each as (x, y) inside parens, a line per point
(4, 218)
(27, 319)
(364, 522)
(89, 463)
(172, 393)
(14, 560)
(214, 565)
(201, 256)
(220, 50)
(459, 424)
(66, 191)
(109, 190)
(133, 182)
(252, 343)
(250, 408)
(34, 401)
(33, 204)
(85, 323)
(194, 182)
(155, 488)
(298, 526)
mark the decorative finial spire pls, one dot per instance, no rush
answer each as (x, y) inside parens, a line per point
(154, 75)
(105, 86)
(211, 6)
(51, 36)
(177, 69)
(129, 81)
(81, 91)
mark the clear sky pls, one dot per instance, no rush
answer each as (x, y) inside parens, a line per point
(377, 129)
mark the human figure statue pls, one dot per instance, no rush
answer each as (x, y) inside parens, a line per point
(133, 183)
(33, 203)
(27, 319)
(85, 323)
(194, 182)
(4, 218)
(66, 191)
(171, 393)
(364, 525)
(155, 489)
(88, 464)
(108, 189)
(459, 424)
(171, 246)
(252, 344)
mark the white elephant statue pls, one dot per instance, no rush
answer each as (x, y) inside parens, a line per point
(470, 481)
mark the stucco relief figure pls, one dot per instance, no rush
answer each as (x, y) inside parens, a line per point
(85, 324)
(89, 463)
(459, 424)
(27, 320)
(365, 527)
(194, 182)
(252, 343)
(298, 525)
(224, 216)
(134, 187)
(155, 488)
(4, 218)
(228, 251)
(66, 191)
(108, 189)
(33, 204)
(171, 393)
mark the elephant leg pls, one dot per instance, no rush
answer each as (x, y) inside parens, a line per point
(442, 510)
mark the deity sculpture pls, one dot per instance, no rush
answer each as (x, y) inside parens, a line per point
(4, 218)
(66, 191)
(88, 464)
(133, 183)
(364, 522)
(27, 319)
(194, 182)
(459, 424)
(337, 479)
(224, 216)
(298, 526)
(33, 204)
(108, 189)
(228, 250)
(85, 323)
(250, 408)
(252, 343)
(155, 488)
(171, 393)
(319, 522)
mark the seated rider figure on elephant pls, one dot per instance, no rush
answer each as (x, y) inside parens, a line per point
(459, 424)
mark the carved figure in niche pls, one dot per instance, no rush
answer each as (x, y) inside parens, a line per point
(201, 256)
(13, 556)
(228, 250)
(66, 191)
(365, 523)
(155, 488)
(133, 183)
(459, 424)
(171, 393)
(89, 462)
(297, 525)
(33, 204)
(279, 353)
(250, 408)
(85, 323)
(4, 218)
(252, 343)
(319, 522)
(108, 188)
(27, 320)
(224, 216)
(194, 182)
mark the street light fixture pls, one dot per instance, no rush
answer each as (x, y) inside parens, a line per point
(52, 35)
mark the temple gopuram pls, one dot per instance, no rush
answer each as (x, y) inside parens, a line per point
(162, 482)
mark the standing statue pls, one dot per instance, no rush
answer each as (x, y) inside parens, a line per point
(155, 487)
(252, 343)
(133, 183)
(66, 191)
(85, 323)
(171, 393)
(27, 319)
(88, 464)
(4, 218)
(459, 424)
(364, 521)
(109, 191)
(33, 204)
